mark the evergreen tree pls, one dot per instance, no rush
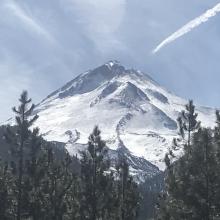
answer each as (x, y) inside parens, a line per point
(217, 144)
(188, 122)
(192, 182)
(111, 198)
(41, 184)
(150, 190)
(35, 175)
(19, 137)
(188, 125)
(6, 196)
(73, 201)
(128, 193)
(58, 186)
(94, 171)
(203, 177)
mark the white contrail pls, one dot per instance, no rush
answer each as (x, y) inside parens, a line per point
(189, 26)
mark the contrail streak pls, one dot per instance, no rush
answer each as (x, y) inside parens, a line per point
(189, 27)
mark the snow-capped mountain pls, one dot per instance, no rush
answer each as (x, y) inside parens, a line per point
(135, 114)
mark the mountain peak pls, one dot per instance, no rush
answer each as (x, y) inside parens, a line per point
(112, 63)
(92, 79)
(131, 109)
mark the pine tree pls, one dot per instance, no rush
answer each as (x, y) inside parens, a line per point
(217, 144)
(57, 186)
(128, 194)
(188, 125)
(35, 174)
(203, 176)
(192, 182)
(19, 137)
(188, 122)
(94, 168)
(73, 200)
(150, 190)
(195, 180)
(6, 196)
(111, 198)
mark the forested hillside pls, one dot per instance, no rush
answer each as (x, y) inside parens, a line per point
(40, 180)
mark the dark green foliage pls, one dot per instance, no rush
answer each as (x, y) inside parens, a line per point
(188, 121)
(43, 182)
(34, 175)
(57, 186)
(128, 195)
(19, 138)
(188, 124)
(94, 167)
(106, 194)
(192, 182)
(6, 188)
(150, 190)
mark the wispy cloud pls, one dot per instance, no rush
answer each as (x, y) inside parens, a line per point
(189, 27)
(100, 20)
(28, 20)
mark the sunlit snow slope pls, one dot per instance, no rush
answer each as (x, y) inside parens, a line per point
(133, 112)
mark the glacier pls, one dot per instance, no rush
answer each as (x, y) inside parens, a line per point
(135, 114)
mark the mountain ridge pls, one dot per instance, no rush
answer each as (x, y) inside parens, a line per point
(135, 114)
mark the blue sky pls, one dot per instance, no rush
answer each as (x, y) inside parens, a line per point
(44, 44)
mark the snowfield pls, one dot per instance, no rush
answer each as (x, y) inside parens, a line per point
(133, 112)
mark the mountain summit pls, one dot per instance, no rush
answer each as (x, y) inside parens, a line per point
(92, 79)
(134, 113)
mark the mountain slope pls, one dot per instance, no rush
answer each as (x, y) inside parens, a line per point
(43, 41)
(135, 114)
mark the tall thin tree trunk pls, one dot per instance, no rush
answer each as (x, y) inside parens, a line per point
(189, 133)
(94, 214)
(207, 184)
(20, 179)
(123, 192)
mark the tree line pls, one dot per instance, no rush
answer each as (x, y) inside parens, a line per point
(36, 184)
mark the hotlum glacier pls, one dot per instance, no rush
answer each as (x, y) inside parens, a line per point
(135, 114)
